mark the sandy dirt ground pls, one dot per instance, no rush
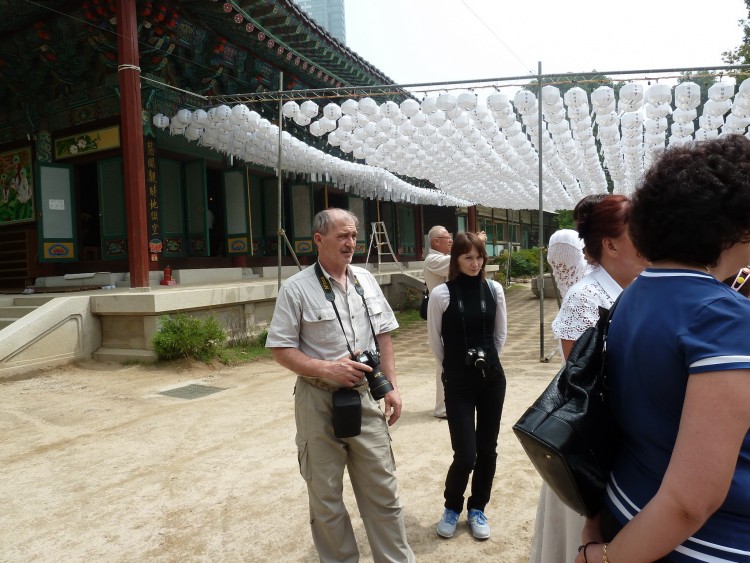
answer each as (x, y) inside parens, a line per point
(97, 465)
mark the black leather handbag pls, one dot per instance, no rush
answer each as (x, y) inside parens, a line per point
(569, 433)
(425, 301)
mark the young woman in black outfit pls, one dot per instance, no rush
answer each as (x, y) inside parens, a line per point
(466, 330)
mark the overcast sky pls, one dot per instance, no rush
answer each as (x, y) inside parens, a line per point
(416, 41)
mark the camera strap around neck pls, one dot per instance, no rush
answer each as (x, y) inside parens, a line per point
(331, 297)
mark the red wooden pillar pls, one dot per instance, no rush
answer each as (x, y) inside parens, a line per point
(472, 216)
(132, 142)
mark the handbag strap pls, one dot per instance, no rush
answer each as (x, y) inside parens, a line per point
(607, 314)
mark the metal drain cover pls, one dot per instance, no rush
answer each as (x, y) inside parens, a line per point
(192, 391)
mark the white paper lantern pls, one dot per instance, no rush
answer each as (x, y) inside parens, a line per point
(419, 120)
(429, 104)
(713, 107)
(706, 134)
(446, 102)
(332, 111)
(744, 88)
(161, 121)
(578, 112)
(410, 107)
(302, 119)
(326, 125)
(550, 95)
(368, 106)
(192, 133)
(199, 118)
(467, 101)
(720, 91)
(655, 138)
(360, 119)
(525, 101)
(240, 112)
(605, 119)
(253, 119)
(687, 95)
(349, 107)
(575, 97)
(498, 102)
(684, 115)
(602, 96)
(308, 108)
(658, 94)
(437, 118)
(334, 139)
(346, 123)
(220, 113)
(658, 111)
(737, 122)
(653, 126)
(710, 121)
(398, 117)
(183, 117)
(631, 120)
(682, 129)
(609, 132)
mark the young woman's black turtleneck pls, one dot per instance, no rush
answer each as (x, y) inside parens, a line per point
(479, 326)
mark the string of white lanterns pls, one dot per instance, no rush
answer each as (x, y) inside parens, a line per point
(480, 152)
(244, 134)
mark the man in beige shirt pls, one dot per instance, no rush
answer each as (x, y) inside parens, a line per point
(313, 338)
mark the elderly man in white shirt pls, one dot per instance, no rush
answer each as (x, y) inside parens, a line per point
(435, 272)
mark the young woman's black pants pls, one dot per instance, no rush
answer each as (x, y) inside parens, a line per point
(474, 405)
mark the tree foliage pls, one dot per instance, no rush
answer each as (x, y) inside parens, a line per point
(564, 219)
(741, 54)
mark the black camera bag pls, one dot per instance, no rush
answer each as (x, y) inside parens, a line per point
(425, 301)
(347, 413)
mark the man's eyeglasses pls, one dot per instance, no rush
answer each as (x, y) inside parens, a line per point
(449, 238)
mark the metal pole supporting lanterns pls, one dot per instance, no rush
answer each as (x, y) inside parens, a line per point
(540, 285)
(278, 173)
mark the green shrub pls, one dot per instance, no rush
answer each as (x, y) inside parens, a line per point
(411, 299)
(184, 336)
(523, 263)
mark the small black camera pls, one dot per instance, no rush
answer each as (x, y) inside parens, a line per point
(379, 384)
(475, 357)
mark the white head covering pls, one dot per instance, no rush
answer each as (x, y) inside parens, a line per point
(565, 257)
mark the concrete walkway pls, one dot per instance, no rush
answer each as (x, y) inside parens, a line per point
(98, 464)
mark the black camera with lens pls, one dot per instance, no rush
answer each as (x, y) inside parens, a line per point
(379, 384)
(475, 358)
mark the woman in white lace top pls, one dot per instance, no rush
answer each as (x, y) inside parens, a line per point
(565, 257)
(601, 221)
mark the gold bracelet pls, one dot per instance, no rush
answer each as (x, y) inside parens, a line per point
(604, 553)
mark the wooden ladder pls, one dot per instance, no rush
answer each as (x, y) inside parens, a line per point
(379, 239)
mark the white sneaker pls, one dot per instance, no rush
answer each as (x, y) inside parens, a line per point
(478, 523)
(447, 525)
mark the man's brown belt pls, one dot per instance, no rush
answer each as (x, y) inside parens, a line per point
(324, 384)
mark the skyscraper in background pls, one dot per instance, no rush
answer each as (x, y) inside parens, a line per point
(329, 14)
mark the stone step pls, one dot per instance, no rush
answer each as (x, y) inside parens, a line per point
(124, 355)
(32, 300)
(15, 311)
